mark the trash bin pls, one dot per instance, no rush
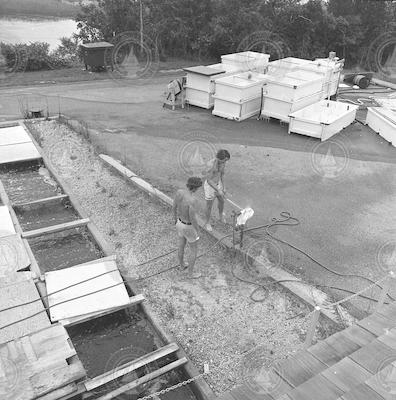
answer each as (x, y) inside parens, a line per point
(94, 54)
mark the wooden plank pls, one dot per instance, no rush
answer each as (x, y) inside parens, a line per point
(373, 355)
(73, 293)
(22, 320)
(383, 382)
(55, 228)
(51, 379)
(342, 344)
(133, 301)
(346, 374)
(53, 343)
(18, 152)
(389, 339)
(80, 390)
(131, 366)
(316, 388)
(244, 392)
(388, 311)
(376, 324)
(12, 350)
(267, 383)
(6, 224)
(359, 335)
(299, 368)
(33, 263)
(41, 201)
(28, 349)
(361, 392)
(13, 135)
(144, 379)
(325, 353)
(113, 257)
(13, 255)
(61, 392)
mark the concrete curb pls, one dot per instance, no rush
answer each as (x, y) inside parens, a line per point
(306, 293)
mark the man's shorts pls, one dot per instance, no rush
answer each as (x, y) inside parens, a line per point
(186, 231)
(210, 193)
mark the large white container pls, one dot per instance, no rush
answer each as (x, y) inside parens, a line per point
(281, 109)
(323, 119)
(382, 121)
(329, 70)
(200, 83)
(293, 86)
(246, 61)
(237, 111)
(238, 97)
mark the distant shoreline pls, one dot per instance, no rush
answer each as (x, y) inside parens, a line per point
(36, 16)
(37, 9)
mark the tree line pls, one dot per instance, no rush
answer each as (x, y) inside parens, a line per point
(209, 28)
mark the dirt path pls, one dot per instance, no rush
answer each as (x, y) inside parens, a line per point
(213, 317)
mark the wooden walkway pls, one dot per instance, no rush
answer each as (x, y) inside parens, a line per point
(41, 365)
(358, 363)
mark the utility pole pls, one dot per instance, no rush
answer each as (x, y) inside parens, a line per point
(141, 26)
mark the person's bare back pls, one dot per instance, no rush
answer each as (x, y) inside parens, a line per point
(185, 206)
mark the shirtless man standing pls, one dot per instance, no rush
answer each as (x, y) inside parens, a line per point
(184, 209)
(214, 186)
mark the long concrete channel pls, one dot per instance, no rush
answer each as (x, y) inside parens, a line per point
(57, 234)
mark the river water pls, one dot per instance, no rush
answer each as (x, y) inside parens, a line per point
(23, 30)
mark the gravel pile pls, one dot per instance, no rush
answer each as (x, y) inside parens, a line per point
(213, 317)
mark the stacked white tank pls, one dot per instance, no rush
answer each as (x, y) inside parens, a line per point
(239, 96)
(200, 80)
(296, 83)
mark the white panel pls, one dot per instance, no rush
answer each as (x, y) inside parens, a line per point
(18, 152)
(329, 116)
(6, 225)
(281, 109)
(13, 255)
(13, 135)
(382, 121)
(113, 297)
(246, 61)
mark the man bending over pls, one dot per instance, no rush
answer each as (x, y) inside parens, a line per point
(184, 212)
(214, 186)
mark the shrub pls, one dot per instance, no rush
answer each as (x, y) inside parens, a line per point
(36, 56)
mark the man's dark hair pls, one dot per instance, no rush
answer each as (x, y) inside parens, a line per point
(223, 154)
(194, 183)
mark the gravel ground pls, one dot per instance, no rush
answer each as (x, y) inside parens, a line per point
(213, 318)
